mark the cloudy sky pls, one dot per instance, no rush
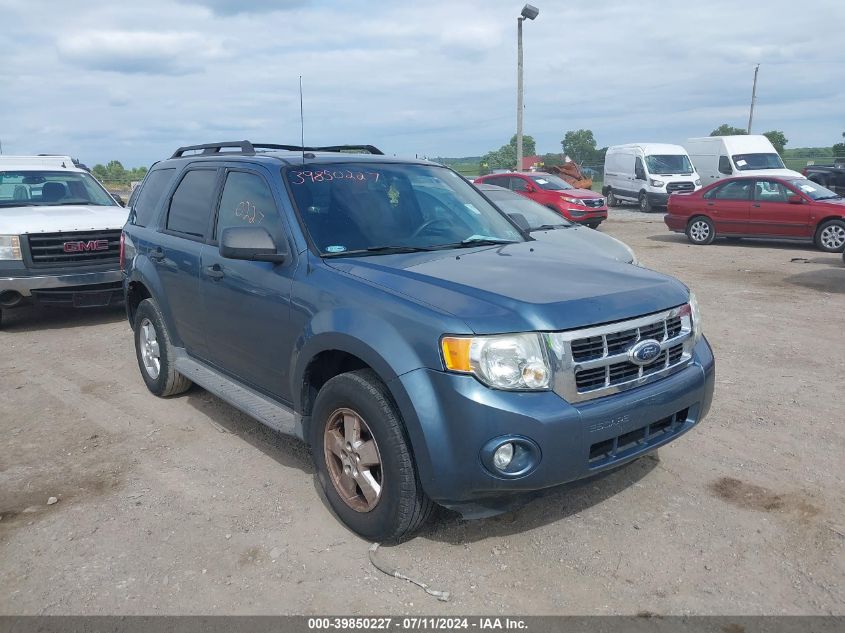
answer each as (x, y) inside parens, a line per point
(134, 80)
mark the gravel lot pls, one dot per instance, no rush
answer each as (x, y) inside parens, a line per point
(187, 506)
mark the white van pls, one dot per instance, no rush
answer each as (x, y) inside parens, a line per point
(647, 173)
(718, 157)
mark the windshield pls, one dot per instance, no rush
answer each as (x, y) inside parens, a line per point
(812, 189)
(536, 214)
(668, 164)
(744, 162)
(550, 182)
(38, 188)
(351, 209)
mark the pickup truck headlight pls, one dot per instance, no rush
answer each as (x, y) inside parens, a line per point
(10, 247)
(655, 183)
(573, 201)
(515, 362)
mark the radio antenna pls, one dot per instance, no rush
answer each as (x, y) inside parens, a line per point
(301, 122)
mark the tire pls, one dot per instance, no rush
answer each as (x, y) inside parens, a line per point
(700, 230)
(377, 452)
(830, 236)
(611, 199)
(154, 352)
(645, 203)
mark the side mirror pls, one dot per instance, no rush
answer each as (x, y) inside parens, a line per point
(118, 199)
(528, 189)
(795, 199)
(520, 221)
(252, 243)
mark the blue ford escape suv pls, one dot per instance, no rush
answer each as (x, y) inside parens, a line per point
(389, 314)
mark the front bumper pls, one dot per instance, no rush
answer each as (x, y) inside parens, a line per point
(657, 199)
(452, 418)
(589, 216)
(83, 289)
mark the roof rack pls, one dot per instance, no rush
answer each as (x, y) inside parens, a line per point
(246, 147)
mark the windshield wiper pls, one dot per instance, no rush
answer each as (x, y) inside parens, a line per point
(17, 203)
(382, 250)
(77, 202)
(829, 198)
(477, 240)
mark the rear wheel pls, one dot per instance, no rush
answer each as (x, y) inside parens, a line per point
(700, 230)
(830, 236)
(364, 463)
(155, 352)
(645, 203)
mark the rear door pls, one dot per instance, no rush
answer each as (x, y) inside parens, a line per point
(772, 214)
(246, 303)
(728, 206)
(176, 255)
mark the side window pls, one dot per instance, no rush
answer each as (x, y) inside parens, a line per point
(771, 191)
(639, 169)
(725, 165)
(518, 184)
(499, 181)
(247, 201)
(838, 183)
(736, 190)
(144, 200)
(191, 204)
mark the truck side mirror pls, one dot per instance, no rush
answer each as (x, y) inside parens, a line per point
(252, 243)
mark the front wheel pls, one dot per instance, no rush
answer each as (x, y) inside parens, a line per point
(830, 236)
(645, 203)
(611, 199)
(701, 231)
(364, 463)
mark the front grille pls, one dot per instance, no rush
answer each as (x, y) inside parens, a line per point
(674, 187)
(86, 247)
(596, 361)
(621, 446)
(594, 203)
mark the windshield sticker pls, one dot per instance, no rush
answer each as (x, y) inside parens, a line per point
(807, 188)
(741, 163)
(335, 249)
(541, 181)
(393, 195)
(327, 175)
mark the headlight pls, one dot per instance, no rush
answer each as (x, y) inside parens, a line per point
(698, 182)
(655, 183)
(573, 201)
(504, 361)
(695, 316)
(10, 247)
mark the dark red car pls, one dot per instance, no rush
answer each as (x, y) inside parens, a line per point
(756, 206)
(579, 205)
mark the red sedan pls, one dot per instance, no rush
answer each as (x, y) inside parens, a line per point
(749, 206)
(579, 205)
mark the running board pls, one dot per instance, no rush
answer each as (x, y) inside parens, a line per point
(267, 411)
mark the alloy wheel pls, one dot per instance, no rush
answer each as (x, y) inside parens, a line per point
(699, 231)
(353, 460)
(833, 237)
(148, 345)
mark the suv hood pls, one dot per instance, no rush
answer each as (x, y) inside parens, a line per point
(579, 193)
(520, 287)
(54, 219)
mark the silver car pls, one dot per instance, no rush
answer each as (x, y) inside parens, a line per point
(546, 225)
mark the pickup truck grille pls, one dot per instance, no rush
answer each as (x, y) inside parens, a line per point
(673, 187)
(74, 249)
(595, 361)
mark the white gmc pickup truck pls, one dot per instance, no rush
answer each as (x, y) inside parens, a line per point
(59, 235)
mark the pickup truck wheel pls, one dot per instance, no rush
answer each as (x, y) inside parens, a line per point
(155, 352)
(363, 461)
(700, 230)
(830, 236)
(645, 203)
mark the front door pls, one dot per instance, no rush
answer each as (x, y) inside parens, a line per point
(246, 303)
(728, 206)
(773, 214)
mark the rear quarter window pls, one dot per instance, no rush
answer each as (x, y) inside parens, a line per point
(148, 198)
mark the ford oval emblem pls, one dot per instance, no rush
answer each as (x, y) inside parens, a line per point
(644, 352)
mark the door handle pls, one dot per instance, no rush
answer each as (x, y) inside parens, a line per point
(156, 255)
(710, 204)
(215, 272)
(756, 206)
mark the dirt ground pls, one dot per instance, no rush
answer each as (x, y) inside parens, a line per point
(187, 506)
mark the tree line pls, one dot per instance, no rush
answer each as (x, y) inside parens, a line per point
(113, 171)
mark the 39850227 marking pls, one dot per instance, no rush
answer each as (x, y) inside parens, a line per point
(319, 624)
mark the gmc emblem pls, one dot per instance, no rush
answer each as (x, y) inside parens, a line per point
(82, 247)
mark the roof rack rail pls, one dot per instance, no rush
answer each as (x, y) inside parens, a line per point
(246, 147)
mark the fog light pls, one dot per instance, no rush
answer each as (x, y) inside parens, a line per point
(503, 456)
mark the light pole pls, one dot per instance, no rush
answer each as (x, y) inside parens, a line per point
(528, 12)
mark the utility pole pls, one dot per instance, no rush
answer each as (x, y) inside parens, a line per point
(528, 13)
(753, 98)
